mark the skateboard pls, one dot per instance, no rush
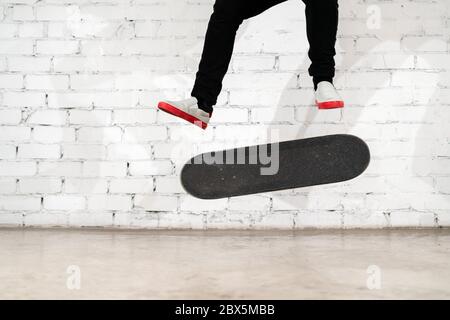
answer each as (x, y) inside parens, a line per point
(277, 166)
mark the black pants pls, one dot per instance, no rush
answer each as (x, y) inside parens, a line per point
(228, 15)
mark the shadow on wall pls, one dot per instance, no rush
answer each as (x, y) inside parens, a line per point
(390, 76)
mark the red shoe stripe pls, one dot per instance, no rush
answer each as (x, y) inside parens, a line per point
(181, 114)
(330, 104)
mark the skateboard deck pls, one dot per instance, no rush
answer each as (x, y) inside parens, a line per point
(276, 166)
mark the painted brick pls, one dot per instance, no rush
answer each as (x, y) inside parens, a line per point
(80, 82)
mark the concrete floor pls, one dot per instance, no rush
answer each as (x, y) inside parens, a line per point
(224, 265)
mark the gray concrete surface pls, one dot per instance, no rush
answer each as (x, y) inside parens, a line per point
(115, 264)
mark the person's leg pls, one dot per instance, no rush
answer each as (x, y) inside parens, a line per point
(228, 15)
(321, 25)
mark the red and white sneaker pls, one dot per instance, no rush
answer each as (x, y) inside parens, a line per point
(327, 97)
(188, 110)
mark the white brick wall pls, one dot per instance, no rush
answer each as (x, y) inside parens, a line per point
(82, 144)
